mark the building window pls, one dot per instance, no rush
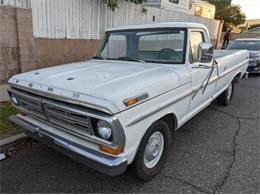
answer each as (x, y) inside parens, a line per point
(174, 1)
(198, 10)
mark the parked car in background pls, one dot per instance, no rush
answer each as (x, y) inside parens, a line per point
(119, 109)
(253, 46)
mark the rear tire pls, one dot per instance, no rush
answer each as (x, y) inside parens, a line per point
(152, 152)
(225, 98)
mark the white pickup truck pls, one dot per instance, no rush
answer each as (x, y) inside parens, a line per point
(119, 108)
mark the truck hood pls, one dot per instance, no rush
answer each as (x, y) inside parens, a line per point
(102, 84)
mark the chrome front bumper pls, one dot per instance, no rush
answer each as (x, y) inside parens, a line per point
(106, 164)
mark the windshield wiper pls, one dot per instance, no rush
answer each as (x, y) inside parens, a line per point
(98, 57)
(132, 59)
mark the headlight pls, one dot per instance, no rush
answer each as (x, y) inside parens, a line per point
(14, 99)
(104, 130)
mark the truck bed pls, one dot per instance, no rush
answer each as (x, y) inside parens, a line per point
(229, 59)
(223, 53)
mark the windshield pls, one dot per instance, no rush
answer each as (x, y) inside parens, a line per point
(248, 45)
(157, 45)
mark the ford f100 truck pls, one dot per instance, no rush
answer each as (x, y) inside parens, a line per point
(118, 109)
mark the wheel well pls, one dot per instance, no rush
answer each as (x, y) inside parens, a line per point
(171, 120)
(237, 77)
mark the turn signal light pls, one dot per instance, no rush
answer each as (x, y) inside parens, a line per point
(114, 151)
(131, 101)
(22, 113)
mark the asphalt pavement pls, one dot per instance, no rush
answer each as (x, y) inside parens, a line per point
(215, 152)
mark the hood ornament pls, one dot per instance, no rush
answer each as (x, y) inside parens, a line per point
(70, 78)
(50, 89)
(76, 95)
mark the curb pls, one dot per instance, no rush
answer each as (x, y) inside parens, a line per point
(11, 141)
(3, 93)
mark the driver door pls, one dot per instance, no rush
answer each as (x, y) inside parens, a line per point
(199, 100)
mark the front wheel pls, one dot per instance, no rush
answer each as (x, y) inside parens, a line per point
(152, 151)
(226, 97)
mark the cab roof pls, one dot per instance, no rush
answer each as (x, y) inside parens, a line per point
(159, 25)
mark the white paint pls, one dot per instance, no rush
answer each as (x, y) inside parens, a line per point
(107, 83)
(17, 3)
(77, 19)
(88, 19)
(183, 6)
(161, 25)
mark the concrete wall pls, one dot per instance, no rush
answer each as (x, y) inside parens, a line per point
(26, 41)
(17, 43)
(20, 51)
(52, 52)
(9, 52)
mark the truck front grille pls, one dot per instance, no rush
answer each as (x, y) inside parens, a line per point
(30, 105)
(68, 117)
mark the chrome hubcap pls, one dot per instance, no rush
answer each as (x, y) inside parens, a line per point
(153, 149)
(229, 91)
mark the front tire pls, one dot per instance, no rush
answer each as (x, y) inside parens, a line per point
(152, 151)
(225, 98)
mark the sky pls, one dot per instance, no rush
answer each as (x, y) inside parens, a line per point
(250, 7)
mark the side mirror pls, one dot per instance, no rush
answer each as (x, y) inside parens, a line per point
(205, 52)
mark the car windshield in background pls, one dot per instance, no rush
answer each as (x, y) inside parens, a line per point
(158, 46)
(248, 45)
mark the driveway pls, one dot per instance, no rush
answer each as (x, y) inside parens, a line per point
(216, 152)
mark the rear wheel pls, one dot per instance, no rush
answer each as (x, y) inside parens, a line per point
(226, 97)
(152, 151)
